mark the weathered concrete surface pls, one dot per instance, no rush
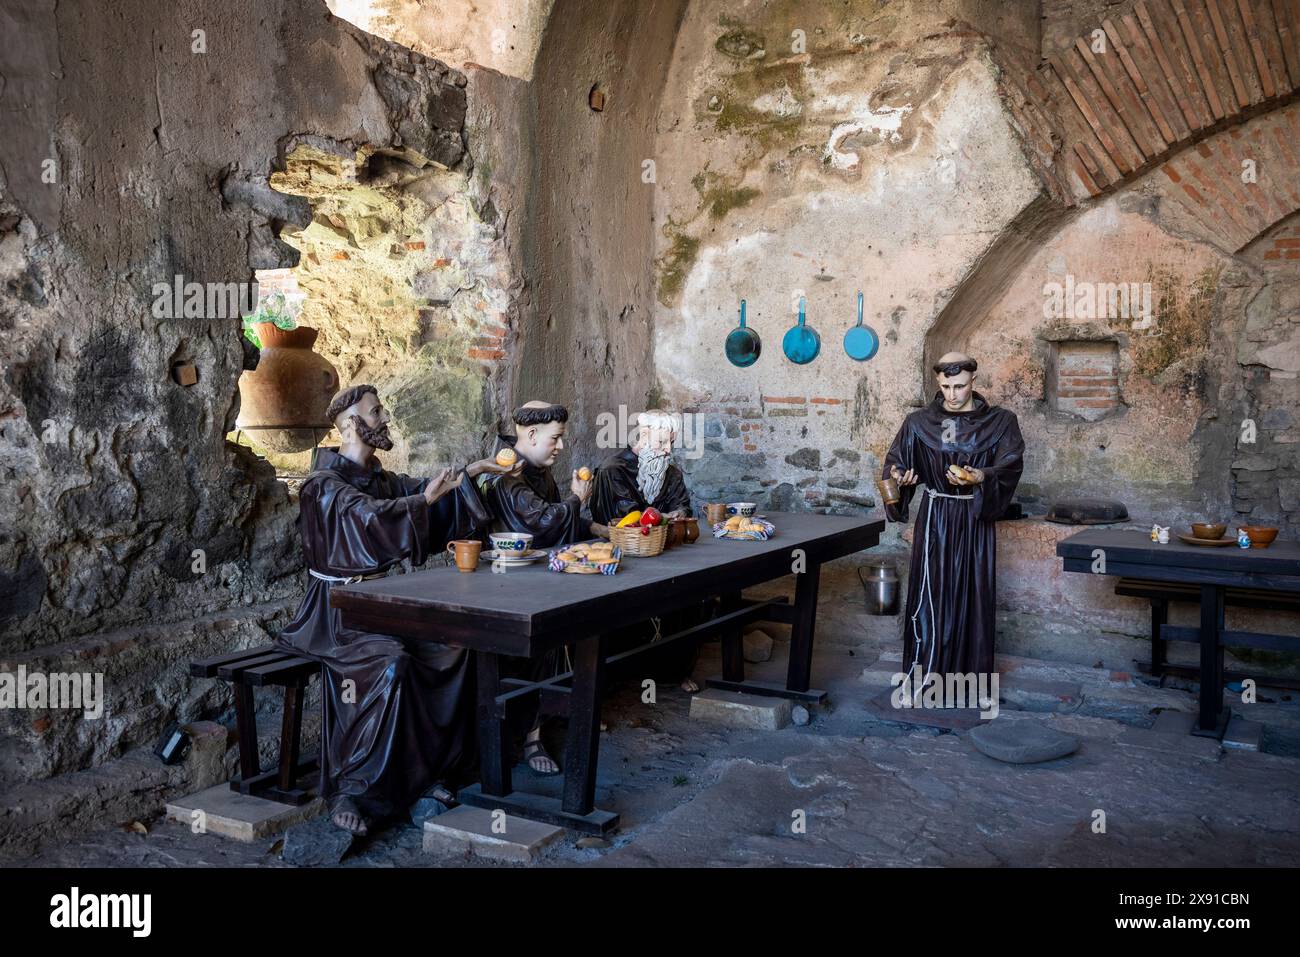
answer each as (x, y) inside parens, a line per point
(472, 830)
(227, 813)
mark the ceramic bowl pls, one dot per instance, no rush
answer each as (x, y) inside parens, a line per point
(1205, 530)
(1261, 536)
(741, 508)
(511, 541)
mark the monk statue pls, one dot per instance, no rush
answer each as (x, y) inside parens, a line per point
(398, 719)
(529, 500)
(643, 475)
(969, 454)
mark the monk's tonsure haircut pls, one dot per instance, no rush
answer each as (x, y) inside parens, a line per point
(526, 418)
(347, 399)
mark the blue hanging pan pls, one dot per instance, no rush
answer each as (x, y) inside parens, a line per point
(801, 344)
(743, 344)
(861, 342)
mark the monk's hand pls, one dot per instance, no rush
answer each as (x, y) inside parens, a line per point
(490, 467)
(580, 487)
(440, 485)
(599, 529)
(676, 513)
(904, 478)
(976, 476)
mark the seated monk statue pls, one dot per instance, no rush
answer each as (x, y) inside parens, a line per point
(638, 477)
(529, 501)
(398, 718)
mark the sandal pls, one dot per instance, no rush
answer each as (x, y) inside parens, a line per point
(534, 749)
(443, 796)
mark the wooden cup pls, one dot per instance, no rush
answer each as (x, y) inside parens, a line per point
(715, 512)
(466, 552)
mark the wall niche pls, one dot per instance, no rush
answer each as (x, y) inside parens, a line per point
(1083, 377)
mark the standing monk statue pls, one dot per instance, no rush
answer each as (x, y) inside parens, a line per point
(969, 455)
(398, 719)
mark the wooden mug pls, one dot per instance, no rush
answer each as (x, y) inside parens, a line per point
(715, 512)
(466, 552)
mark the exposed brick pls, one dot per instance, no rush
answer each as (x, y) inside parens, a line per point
(784, 398)
(829, 401)
(415, 245)
(340, 254)
(441, 263)
(486, 353)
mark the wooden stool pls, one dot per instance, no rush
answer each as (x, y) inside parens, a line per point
(257, 667)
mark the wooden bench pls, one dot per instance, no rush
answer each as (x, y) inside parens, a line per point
(1161, 593)
(262, 667)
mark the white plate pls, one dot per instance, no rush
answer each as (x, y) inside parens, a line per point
(513, 558)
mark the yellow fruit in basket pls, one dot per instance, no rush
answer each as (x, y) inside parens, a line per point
(507, 457)
(584, 474)
(631, 518)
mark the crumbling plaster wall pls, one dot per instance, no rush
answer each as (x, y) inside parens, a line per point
(867, 151)
(161, 142)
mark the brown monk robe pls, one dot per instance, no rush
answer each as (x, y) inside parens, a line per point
(952, 585)
(529, 501)
(398, 719)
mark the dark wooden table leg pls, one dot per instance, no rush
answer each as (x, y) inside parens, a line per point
(494, 767)
(290, 731)
(582, 747)
(1159, 618)
(246, 727)
(799, 672)
(733, 642)
(1211, 656)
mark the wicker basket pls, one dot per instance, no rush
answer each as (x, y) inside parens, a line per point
(632, 542)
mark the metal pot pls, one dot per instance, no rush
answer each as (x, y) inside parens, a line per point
(880, 586)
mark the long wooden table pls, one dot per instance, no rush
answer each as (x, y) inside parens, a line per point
(527, 611)
(1131, 554)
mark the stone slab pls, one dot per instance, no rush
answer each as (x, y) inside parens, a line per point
(1022, 741)
(950, 719)
(1174, 722)
(1243, 735)
(238, 816)
(470, 829)
(735, 710)
(1183, 744)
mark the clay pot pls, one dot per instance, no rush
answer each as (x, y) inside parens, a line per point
(1208, 530)
(691, 529)
(1261, 536)
(676, 534)
(282, 403)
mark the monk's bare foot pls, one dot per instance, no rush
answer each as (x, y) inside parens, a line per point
(348, 817)
(689, 686)
(536, 755)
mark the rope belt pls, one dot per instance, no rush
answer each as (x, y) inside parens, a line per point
(344, 581)
(925, 589)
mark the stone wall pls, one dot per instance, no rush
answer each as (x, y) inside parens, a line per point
(123, 504)
(819, 151)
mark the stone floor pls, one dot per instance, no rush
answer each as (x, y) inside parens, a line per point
(878, 792)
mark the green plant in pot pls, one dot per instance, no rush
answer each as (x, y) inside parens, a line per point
(272, 309)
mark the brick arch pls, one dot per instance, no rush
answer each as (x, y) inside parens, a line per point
(1241, 182)
(1144, 85)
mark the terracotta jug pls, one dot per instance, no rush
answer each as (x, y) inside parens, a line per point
(282, 403)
